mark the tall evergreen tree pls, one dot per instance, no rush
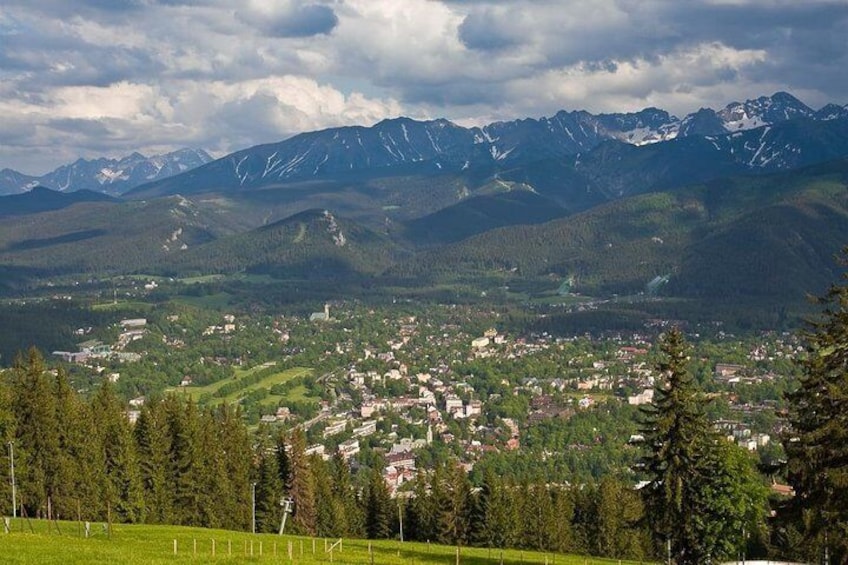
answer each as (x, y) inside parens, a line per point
(184, 460)
(619, 515)
(153, 444)
(7, 436)
(378, 506)
(698, 495)
(269, 491)
(123, 491)
(36, 438)
(817, 443)
(421, 513)
(234, 445)
(348, 509)
(75, 462)
(301, 486)
(455, 505)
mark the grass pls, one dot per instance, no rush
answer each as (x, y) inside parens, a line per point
(196, 392)
(141, 544)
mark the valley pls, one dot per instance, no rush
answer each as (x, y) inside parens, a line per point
(470, 323)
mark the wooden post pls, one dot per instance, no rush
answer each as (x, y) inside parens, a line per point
(195, 546)
(301, 548)
(290, 551)
(251, 548)
(260, 549)
(175, 546)
(457, 555)
(313, 546)
(213, 548)
(229, 547)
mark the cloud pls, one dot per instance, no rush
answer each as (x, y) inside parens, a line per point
(289, 19)
(87, 76)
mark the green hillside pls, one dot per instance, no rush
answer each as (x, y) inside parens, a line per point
(483, 213)
(310, 244)
(105, 237)
(767, 237)
(37, 541)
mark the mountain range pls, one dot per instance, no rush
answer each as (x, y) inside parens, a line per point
(746, 205)
(110, 176)
(407, 147)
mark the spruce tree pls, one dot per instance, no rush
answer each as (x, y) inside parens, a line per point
(378, 506)
(269, 491)
(817, 442)
(235, 447)
(701, 491)
(123, 492)
(421, 513)
(36, 440)
(301, 486)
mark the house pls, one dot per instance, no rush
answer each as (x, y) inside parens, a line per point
(473, 408)
(401, 459)
(366, 429)
(187, 380)
(335, 428)
(727, 370)
(453, 404)
(349, 448)
(644, 397)
(321, 316)
(317, 449)
(480, 342)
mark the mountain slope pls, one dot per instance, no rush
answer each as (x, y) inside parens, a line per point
(772, 237)
(41, 199)
(482, 213)
(311, 244)
(105, 237)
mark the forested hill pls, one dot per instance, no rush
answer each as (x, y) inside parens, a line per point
(770, 237)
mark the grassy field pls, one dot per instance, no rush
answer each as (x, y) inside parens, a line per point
(36, 541)
(196, 392)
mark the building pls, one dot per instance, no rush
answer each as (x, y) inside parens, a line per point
(479, 342)
(321, 316)
(366, 429)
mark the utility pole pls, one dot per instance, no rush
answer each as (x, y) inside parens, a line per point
(400, 519)
(14, 493)
(253, 505)
(286, 503)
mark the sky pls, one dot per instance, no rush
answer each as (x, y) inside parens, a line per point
(91, 78)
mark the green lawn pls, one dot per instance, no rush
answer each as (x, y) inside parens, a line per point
(196, 392)
(133, 544)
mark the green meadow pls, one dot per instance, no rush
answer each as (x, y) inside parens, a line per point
(208, 391)
(38, 541)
